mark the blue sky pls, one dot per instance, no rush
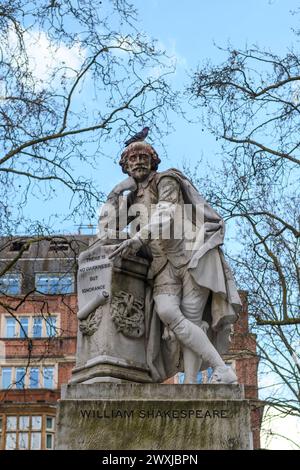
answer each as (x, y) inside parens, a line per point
(189, 31)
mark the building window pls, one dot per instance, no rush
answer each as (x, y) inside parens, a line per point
(36, 440)
(18, 246)
(6, 377)
(50, 423)
(10, 284)
(23, 440)
(49, 441)
(10, 327)
(20, 377)
(31, 377)
(49, 432)
(37, 327)
(34, 377)
(24, 327)
(50, 283)
(24, 423)
(28, 432)
(58, 246)
(50, 326)
(30, 326)
(48, 375)
(11, 441)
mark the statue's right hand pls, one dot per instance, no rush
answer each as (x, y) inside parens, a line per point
(128, 184)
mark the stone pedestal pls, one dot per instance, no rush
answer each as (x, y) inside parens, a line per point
(153, 416)
(111, 338)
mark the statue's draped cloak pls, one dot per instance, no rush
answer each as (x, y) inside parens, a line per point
(209, 269)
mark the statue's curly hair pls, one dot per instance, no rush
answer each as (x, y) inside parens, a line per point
(147, 148)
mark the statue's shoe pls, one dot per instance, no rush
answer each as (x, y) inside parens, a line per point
(223, 375)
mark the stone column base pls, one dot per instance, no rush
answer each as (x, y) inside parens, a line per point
(111, 416)
(109, 369)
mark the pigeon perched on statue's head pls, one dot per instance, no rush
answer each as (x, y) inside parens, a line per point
(140, 136)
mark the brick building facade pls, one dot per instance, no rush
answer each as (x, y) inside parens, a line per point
(38, 327)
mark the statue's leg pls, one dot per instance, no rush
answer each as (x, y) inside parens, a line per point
(192, 363)
(192, 336)
(192, 306)
(169, 283)
(191, 360)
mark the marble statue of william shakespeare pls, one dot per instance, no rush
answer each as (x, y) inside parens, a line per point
(192, 300)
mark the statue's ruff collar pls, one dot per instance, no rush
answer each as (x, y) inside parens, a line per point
(144, 184)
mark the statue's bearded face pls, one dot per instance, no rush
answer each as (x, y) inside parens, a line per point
(139, 165)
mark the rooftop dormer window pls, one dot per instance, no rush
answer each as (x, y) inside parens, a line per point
(58, 246)
(18, 246)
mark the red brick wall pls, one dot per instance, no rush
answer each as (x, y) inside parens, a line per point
(61, 349)
(243, 347)
(29, 396)
(64, 372)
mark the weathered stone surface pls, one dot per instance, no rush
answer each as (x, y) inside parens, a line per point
(153, 416)
(148, 391)
(111, 338)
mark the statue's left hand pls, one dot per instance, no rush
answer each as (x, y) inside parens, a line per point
(127, 246)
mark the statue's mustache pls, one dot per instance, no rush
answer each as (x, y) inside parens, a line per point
(140, 168)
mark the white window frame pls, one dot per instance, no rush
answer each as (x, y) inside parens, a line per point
(7, 366)
(43, 431)
(12, 276)
(42, 376)
(50, 431)
(5, 318)
(39, 377)
(14, 368)
(30, 317)
(59, 275)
